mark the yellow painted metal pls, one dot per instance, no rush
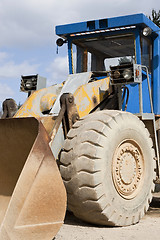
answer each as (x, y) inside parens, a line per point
(48, 123)
(32, 194)
(86, 98)
(89, 95)
(39, 102)
(47, 101)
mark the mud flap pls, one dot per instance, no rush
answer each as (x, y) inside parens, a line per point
(32, 194)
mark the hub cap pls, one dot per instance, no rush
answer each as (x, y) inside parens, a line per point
(128, 169)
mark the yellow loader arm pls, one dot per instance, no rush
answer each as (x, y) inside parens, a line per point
(32, 194)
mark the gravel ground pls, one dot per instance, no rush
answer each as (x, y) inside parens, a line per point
(148, 228)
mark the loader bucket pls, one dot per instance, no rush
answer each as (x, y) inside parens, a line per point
(32, 194)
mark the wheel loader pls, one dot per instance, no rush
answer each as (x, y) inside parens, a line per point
(95, 136)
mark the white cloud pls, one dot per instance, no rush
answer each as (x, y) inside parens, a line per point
(58, 70)
(28, 25)
(31, 22)
(10, 73)
(5, 92)
(11, 69)
(3, 56)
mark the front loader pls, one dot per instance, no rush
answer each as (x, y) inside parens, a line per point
(98, 132)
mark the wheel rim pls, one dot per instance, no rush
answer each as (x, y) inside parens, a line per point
(128, 169)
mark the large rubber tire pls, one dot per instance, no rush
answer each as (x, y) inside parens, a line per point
(108, 168)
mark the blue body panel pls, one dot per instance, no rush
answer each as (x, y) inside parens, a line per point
(133, 102)
(139, 21)
(156, 75)
(135, 19)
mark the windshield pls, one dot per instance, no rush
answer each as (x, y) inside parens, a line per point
(97, 54)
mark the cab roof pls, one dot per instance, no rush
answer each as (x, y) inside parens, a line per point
(128, 21)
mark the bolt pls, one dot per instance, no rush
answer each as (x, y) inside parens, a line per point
(70, 99)
(75, 118)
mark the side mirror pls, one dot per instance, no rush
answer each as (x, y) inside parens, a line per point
(60, 42)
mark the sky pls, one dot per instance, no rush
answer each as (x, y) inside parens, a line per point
(28, 39)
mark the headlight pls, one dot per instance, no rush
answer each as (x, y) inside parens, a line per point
(116, 74)
(127, 74)
(147, 31)
(122, 74)
(29, 85)
(32, 83)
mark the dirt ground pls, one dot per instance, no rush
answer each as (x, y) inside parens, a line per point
(148, 228)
